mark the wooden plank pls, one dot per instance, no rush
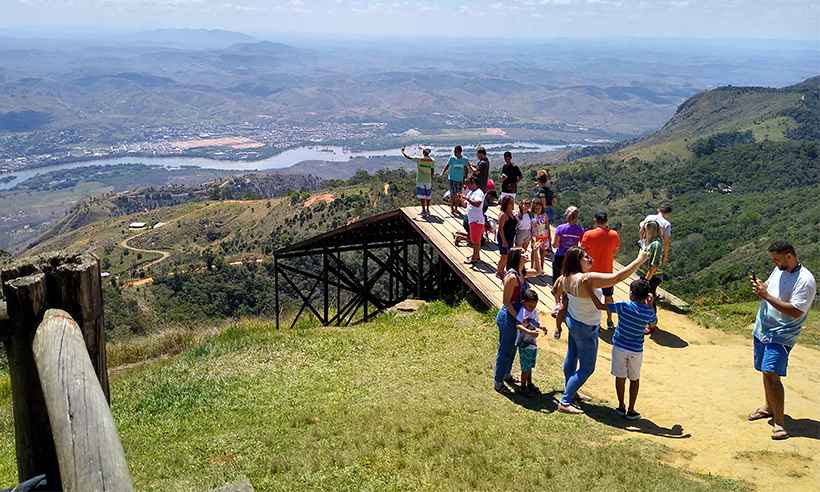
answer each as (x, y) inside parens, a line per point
(89, 450)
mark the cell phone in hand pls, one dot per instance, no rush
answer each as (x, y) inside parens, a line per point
(754, 276)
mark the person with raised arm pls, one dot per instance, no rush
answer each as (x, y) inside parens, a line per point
(584, 301)
(424, 178)
(785, 300)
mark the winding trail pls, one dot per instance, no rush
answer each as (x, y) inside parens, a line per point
(164, 255)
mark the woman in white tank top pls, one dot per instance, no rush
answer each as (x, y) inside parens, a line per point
(583, 289)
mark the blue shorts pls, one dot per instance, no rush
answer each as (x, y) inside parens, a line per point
(771, 357)
(424, 192)
(455, 187)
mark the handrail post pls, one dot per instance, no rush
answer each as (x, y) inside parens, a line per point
(26, 303)
(57, 280)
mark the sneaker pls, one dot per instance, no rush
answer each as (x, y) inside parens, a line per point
(522, 390)
(569, 409)
(510, 379)
(632, 415)
(500, 388)
(621, 411)
(534, 389)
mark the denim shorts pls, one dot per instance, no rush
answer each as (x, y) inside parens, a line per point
(771, 357)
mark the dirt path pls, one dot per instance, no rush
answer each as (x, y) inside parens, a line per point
(164, 254)
(697, 386)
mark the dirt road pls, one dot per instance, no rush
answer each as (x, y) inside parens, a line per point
(697, 387)
(164, 254)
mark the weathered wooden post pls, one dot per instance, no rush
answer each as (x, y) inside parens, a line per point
(68, 282)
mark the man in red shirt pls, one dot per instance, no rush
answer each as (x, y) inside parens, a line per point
(602, 243)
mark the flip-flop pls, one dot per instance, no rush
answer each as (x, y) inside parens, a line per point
(779, 434)
(759, 414)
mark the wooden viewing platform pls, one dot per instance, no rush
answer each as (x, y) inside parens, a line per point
(438, 229)
(357, 271)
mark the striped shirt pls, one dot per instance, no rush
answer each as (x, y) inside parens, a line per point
(632, 319)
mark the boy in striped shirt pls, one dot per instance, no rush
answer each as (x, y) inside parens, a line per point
(627, 343)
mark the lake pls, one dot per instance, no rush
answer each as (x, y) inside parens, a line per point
(282, 160)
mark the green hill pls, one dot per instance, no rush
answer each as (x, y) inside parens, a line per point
(373, 407)
(770, 114)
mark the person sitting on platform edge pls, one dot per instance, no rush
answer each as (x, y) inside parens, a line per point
(785, 300)
(424, 178)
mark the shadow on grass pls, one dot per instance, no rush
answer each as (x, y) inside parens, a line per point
(808, 428)
(545, 403)
(607, 416)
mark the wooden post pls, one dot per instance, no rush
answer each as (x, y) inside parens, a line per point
(26, 302)
(276, 289)
(57, 280)
(420, 282)
(365, 283)
(325, 289)
(89, 450)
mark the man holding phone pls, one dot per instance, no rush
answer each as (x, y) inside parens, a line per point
(785, 300)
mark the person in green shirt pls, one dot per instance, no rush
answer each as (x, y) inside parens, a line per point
(455, 177)
(651, 270)
(424, 178)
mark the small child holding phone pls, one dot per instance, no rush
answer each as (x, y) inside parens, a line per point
(528, 326)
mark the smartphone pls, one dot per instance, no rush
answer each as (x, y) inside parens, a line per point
(754, 276)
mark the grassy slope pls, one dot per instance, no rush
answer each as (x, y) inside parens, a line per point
(716, 111)
(388, 405)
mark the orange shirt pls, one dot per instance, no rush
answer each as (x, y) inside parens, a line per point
(601, 245)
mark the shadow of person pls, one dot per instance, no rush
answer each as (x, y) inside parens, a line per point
(606, 335)
(667, 339)
(808, 428)
(544, 403)
(483, 267)
(435, 219)
(540, 281)
(607, 416)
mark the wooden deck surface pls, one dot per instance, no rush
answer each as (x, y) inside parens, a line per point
(439, 228)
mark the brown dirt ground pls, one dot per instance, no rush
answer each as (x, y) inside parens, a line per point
(317, 199)
(697, 387)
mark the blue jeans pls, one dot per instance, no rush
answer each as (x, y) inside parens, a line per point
(506, 345)
(582, 351)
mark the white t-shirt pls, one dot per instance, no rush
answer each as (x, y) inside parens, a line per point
(524, 223)
(664, 225)
(799, 289)
(475, 215)
(532, 316)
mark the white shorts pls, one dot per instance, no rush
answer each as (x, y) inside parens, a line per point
(507, 194)
(626, 363)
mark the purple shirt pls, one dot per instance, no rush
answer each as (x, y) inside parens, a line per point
(569, 235)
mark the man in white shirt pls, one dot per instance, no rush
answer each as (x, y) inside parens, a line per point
(785, 300)
(664, 226)
(474, 221)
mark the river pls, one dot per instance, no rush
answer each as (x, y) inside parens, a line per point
(282, 160)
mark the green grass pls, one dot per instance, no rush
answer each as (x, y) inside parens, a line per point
(739, 318)
(391, 405)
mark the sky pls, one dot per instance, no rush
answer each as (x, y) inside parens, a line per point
(756, 19)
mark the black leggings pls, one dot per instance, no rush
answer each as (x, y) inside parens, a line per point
(654, 282)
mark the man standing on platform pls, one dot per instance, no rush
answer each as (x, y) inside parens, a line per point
(424, 178)
(601, 244)
(785, 300)
(510, 176)
(455, 177)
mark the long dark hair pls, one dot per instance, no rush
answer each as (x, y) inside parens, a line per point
(505, 202)
(514, 259)
(572, 261)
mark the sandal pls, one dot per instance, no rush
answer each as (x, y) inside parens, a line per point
(569, 409)
(779, 434)
(759, 414)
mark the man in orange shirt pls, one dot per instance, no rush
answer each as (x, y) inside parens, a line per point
(602, 243)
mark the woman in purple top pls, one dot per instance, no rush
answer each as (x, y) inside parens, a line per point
(566, 236)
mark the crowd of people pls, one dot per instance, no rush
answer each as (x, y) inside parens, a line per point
(583, 281)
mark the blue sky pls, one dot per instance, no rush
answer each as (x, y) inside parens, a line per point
(760, 19)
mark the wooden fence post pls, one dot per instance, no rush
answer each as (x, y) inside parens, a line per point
(57, 280)
(26, 303)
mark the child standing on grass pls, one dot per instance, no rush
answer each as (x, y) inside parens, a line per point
(528, 326)
(424, 178)
(627, 343)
